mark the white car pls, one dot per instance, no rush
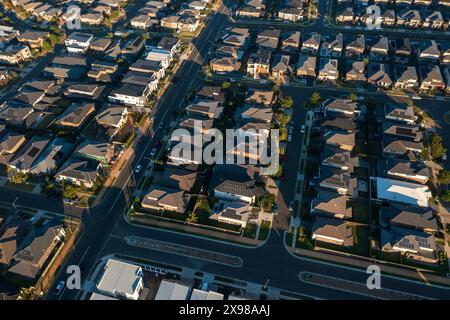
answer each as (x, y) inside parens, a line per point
(33, 220)
(59, 288)
(289, 138)
(153, 152)
(138, 168)
(302, 130)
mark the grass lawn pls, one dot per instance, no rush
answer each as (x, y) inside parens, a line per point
(250, 230)
(303, 240)
(264, 230)
(289, 238)
(22, 186)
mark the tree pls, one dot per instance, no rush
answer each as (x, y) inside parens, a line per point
(437, 150)
(46, 46)
(18, 178)
(315, 99)
(446, 196)
(192, 218)
(69, 191)
(287, 102)
(353, 97)
(53, 38)
(366, 61)
(226, 85)
(276, 90)
(443, 176)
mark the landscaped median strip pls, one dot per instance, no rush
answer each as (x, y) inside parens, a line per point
(356, 287)
(186, 251)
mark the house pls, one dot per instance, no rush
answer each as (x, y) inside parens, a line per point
(408, 217)
(94, 19)
(399, 147)
(380, 48)
(251, 9)
(346, 16)
(23, 159)
(96, 150)
(188, 24)
(268, 39)
(337, 158)
(254, 113)
(259, 96)
(162, 57)
(356, 72)
(431, 79)
(224, 65)
(13, 232)
(447, 80)
(112, 116)
(165, 199)
(434, 20)
(405, 170)
(93, 92)
(78, 42)
(170, 290)
(402, 192)
(51, 157)
(100, 44)
(79, 172)
(378, 75)
(402, 48)
(142, 22)
(232, 190)
(10, 143)
(337, 180)
(15, 54)
(34, 39)
(130, 95)
(402, 131)
(415, 245)
(306, 67)
(388, 18)
(236, 40)
(333, 48)
(428, 51)
(291, 10)
(290, 41)
(410, 18)
(148, 66)
(75, 115)
(400, 113)
(211, 93)
(133, 49)
(121, 280)
(356, 48)
(192, 124)
(196, 5)
(172, 45)
(345, 107)
(170, 22)
(328, 70)
(344, 141)
(36, 250)
(331, 204)
(406, 77)
(259, 63)
(311, 45)
(103, 71)
(7, 34)
(14, 114)
(281, 69)
(176, 178)
(206, 109)
(339, 123)
(332, 231)
(231, 212)
(236, 183)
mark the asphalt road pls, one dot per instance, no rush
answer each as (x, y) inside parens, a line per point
(104, 229)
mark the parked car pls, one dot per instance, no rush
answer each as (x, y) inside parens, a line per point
(59, 288)
(302, 130)
(153, 152)
(33, 220)
(289, 138)
(138, 168)
(291, 206)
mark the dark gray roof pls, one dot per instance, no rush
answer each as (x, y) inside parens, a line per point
(408, 217)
